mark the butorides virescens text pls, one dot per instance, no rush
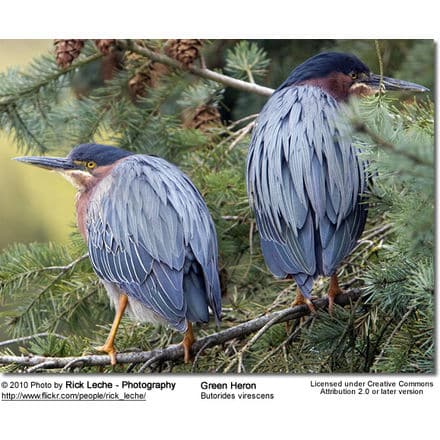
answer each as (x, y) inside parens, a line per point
(150, 236)
(305, 179)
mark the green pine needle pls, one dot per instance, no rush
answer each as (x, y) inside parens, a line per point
(247, 61)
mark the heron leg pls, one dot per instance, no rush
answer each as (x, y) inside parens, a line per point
(333, 290)
(108, 346)
(300, 299)
(188, 341)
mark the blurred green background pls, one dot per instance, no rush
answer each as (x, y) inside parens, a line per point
(34, 205)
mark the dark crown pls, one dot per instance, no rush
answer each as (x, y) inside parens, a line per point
(322, 65)
(101, 154)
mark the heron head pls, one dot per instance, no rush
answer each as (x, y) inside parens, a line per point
(83, 165)
(343, 75)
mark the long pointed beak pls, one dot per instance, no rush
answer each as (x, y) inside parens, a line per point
(375, 81)
(48, 163)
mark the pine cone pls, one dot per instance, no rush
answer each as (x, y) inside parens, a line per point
(138, 84)
(111, 64)
(185, 51)
(202, 118)
(106, 46)
(147, 75)
(67, 51)
(133, 60)
(157, 70)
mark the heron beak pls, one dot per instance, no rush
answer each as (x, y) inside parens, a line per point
(376, 81)
(48, 163)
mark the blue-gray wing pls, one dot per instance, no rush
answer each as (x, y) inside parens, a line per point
(150, 233)
(305, 182)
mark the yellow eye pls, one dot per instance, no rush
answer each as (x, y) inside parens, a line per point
(353, 75)
(90, 165)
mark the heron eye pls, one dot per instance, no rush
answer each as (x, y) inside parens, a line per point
(353, 75)
(90, 165)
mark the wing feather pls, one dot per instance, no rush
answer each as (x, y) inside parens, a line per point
(305, 181)
(145, 222)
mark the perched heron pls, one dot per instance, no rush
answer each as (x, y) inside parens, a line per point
(150, 237)
(305, 179)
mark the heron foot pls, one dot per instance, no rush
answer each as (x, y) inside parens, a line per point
(188, 341)
(110, 350)
(300, 300)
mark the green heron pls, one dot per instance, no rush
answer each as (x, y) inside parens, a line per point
(306, 181)
(150, 237)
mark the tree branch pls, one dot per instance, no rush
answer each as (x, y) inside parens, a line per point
(28, 338)
(393, 333)
(68, 266)
(361, 127)
(63, 270)
(175, 352)
(199, 71)
(7, 100)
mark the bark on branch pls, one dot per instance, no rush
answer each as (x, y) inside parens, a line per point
(175, 352)
(199, 71)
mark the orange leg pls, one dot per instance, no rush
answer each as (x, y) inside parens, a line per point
(188, 341)
(300, 299)
(109, 347)
(333, 290)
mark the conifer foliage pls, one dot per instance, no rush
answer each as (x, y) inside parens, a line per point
(168, 104)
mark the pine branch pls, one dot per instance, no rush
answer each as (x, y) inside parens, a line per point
(37, 85)
(239, 357)
(283, 345)
(12, 109)
(68, 266)
(63, 270)
(198, 71)
(393, 333)
(175, 352)
(361, 127)
(28, 338)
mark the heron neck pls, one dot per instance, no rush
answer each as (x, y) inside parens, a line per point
(336, 84)
(84, 195)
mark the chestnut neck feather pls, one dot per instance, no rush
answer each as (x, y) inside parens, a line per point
(336, 84)
(85, 193)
